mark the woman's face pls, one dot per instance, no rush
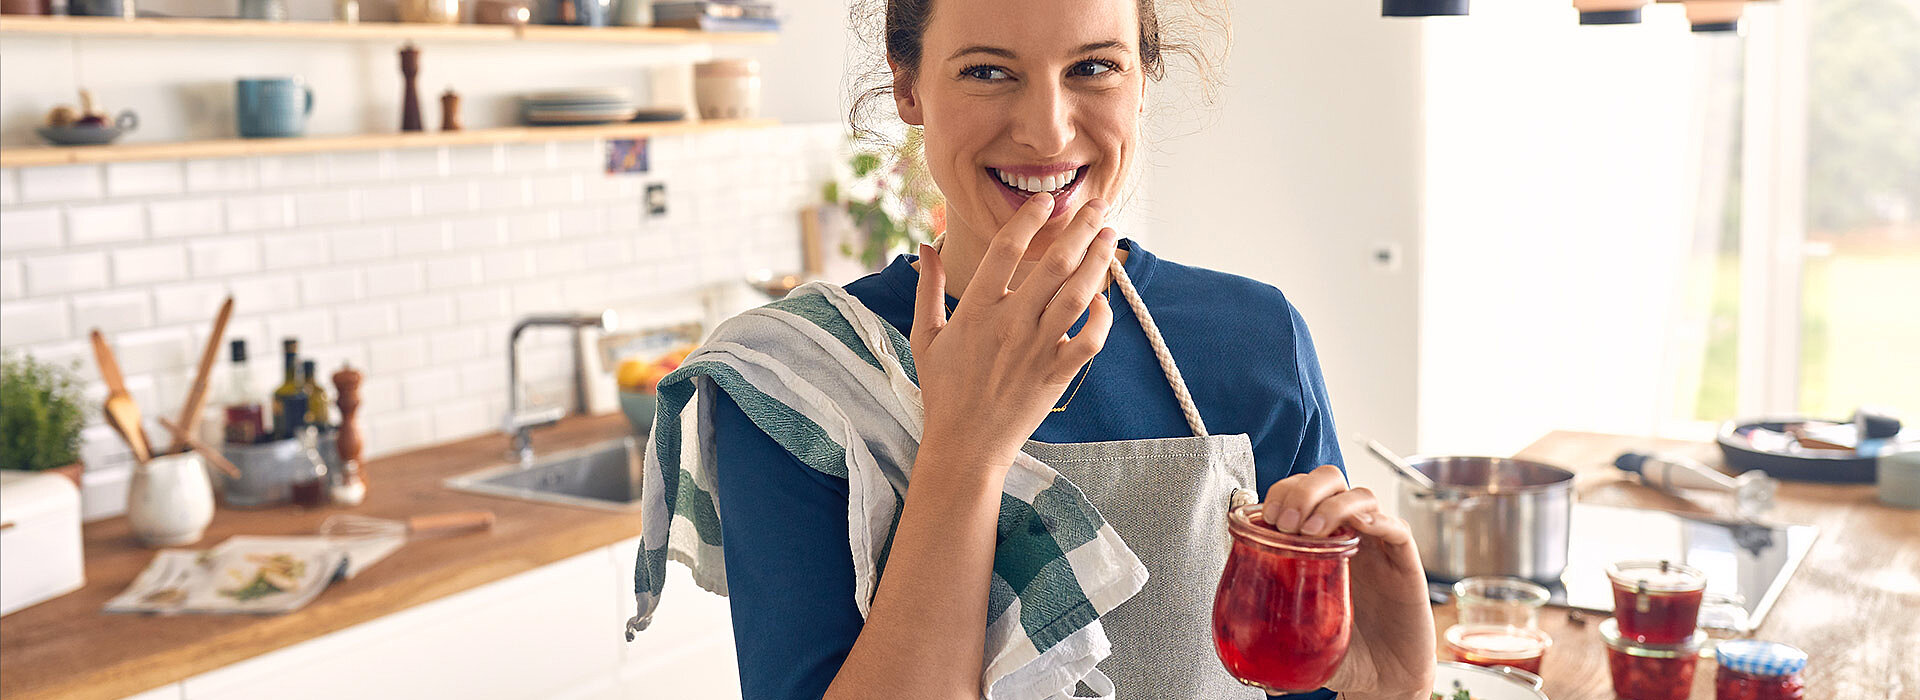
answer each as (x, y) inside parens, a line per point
(1022, 96)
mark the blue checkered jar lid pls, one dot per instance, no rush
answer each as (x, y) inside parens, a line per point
(1760, 658)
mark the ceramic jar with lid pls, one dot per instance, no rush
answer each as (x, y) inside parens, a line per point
(727, 89)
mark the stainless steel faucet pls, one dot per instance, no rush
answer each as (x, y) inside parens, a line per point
(520, 424)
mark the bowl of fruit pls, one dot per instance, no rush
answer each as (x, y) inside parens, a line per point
(639, 378)
(86, 126)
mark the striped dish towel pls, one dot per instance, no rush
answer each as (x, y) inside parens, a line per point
(834, 384)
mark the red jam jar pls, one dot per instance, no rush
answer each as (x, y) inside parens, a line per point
(1643, 671)
(1751, 669)
(1657, 602)
(1499, 645)
(1281, 616)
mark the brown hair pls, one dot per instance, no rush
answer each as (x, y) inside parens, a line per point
(1182, 33)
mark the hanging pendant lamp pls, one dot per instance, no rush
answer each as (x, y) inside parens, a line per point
(1422, 8)
(1609, 11)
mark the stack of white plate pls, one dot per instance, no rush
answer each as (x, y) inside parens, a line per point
(582, 106)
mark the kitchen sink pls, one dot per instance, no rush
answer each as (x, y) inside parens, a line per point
(605, 476)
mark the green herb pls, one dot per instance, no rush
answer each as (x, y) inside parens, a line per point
(891, 197)
(258, 588)
(40, 414)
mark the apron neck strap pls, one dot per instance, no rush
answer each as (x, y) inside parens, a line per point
(1154, 339)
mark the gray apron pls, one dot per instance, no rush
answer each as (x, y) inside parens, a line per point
(1168, 499)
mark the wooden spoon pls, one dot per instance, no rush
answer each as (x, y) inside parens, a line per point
(212, 455)
(197, 396)
(121, 411)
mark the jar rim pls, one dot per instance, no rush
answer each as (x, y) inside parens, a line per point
(1247, 522)
(1460, 635)
(1524, 592)
(1610, 633)
(1618, 572)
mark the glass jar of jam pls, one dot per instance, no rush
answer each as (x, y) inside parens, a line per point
(1751, 669)
(1499, 645)
(1644, 671)
(1281, 616)
(1499, 600)
(1657, 602)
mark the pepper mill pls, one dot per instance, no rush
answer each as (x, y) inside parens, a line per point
(410, 101)
(449, 110)
(352, 485)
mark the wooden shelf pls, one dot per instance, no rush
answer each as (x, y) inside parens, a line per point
(228, 148)
(159, 27)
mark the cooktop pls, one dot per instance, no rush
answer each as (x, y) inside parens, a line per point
(1748, 559)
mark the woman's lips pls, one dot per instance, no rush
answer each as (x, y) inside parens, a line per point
(1062, 198)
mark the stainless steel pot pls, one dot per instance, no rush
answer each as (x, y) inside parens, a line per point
(1490, 516)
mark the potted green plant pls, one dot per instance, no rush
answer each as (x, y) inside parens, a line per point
(891, 199)
(40, 416)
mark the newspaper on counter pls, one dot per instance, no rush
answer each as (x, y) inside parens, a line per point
(248, 574)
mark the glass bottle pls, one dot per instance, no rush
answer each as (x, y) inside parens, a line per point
(317, 412)
(245, 419)
(310, 483)
(1282, 614)
(290, 400)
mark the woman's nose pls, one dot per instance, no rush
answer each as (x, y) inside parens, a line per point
(1043, 119)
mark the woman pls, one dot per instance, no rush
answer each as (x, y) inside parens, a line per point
(1030, 111)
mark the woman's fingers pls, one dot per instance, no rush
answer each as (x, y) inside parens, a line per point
(1290, 500)
(1353, 508)
(929, 301)
(1077, 350)
(1078, 288)
(1009, 245)
(1063, 257)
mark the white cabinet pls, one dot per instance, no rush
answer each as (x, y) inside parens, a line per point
(554, 632)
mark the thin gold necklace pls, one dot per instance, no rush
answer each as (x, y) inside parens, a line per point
(1084, 371)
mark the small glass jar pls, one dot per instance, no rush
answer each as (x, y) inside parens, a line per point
(1499, 645)
(1751, 669)
(1645, 671)
(1657, 602)
(1282, 615)
(1499, 600)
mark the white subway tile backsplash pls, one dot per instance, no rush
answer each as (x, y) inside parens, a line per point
(461, 418)
(113, 312)
(311, 326)
(474, 233)
(60, 182)
(529, 156)
(391, 356)
(485, 377)
(331, 287)
(30, 229)
(9, 187)
(190, 302)
(393, 201)
(483, 305)
(157, 350)
(471, 161)
(264, 293)
(185, 217)
(556, 189)
(378, 394)
(285, 251)
(324, 207)
(134, 179)
(33, 322)
(394, 279)
(260, 212)
(398, 431)
(61, 274)
(605, 251)
(504, 193)
(11, 285)
(453, 271)
(359, 244)
(537, 297)
(446, 197)
(356, 167)
(148, 264)
(228, 255)
(290, 170)
(559, 260)
(220, 174)
(583, 221)
(428, 387)
(506, 265)
(364, 321)
(425, 314)
(411, 163)
(416, 238)
(534, 226)
(457, 345)
(587, 154)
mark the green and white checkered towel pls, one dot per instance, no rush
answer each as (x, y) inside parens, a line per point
(834, 384)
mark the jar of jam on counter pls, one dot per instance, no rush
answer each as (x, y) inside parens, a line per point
(1647, 671)
(1281, 615)
(1499, 645)
(1751, 669)
(1657, 602)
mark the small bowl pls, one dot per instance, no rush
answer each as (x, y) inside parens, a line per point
(74, 135)
(639, 408)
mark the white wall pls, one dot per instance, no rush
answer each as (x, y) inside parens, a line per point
(1560, 185)
(1314, 159)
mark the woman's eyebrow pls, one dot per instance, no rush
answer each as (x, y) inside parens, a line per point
(1009, 55)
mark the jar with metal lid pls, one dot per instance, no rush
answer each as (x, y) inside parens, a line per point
(1657, 602)
(1282, 614)
(1751, 669)
(1647, 671)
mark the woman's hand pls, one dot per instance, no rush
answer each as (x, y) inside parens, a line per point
(989, 374)
(1391, 652)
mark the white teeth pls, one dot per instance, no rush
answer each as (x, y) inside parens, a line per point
(1047, 183)
(1054, 181)
(1031, 184)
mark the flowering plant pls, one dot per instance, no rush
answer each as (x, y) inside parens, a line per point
(891, 198)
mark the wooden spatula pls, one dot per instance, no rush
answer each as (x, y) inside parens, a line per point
(120, 410)
(197, 396)
(350, 525)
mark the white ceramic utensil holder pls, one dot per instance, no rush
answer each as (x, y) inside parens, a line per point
(170, 501)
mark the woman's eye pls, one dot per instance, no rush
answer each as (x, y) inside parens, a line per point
(985, 73)
(1087, 69)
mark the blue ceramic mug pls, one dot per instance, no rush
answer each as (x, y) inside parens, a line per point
(272, 107)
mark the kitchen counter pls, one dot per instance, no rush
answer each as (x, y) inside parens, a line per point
(67, 648)
(1851, 605)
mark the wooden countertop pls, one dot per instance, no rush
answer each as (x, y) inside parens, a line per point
(1852, 605)
(67, 648)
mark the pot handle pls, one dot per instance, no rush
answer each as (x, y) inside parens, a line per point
(1532, 680)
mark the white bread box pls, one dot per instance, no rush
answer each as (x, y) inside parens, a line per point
(39, 538)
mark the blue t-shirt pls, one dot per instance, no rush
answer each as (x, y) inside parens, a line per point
(1243, 350)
